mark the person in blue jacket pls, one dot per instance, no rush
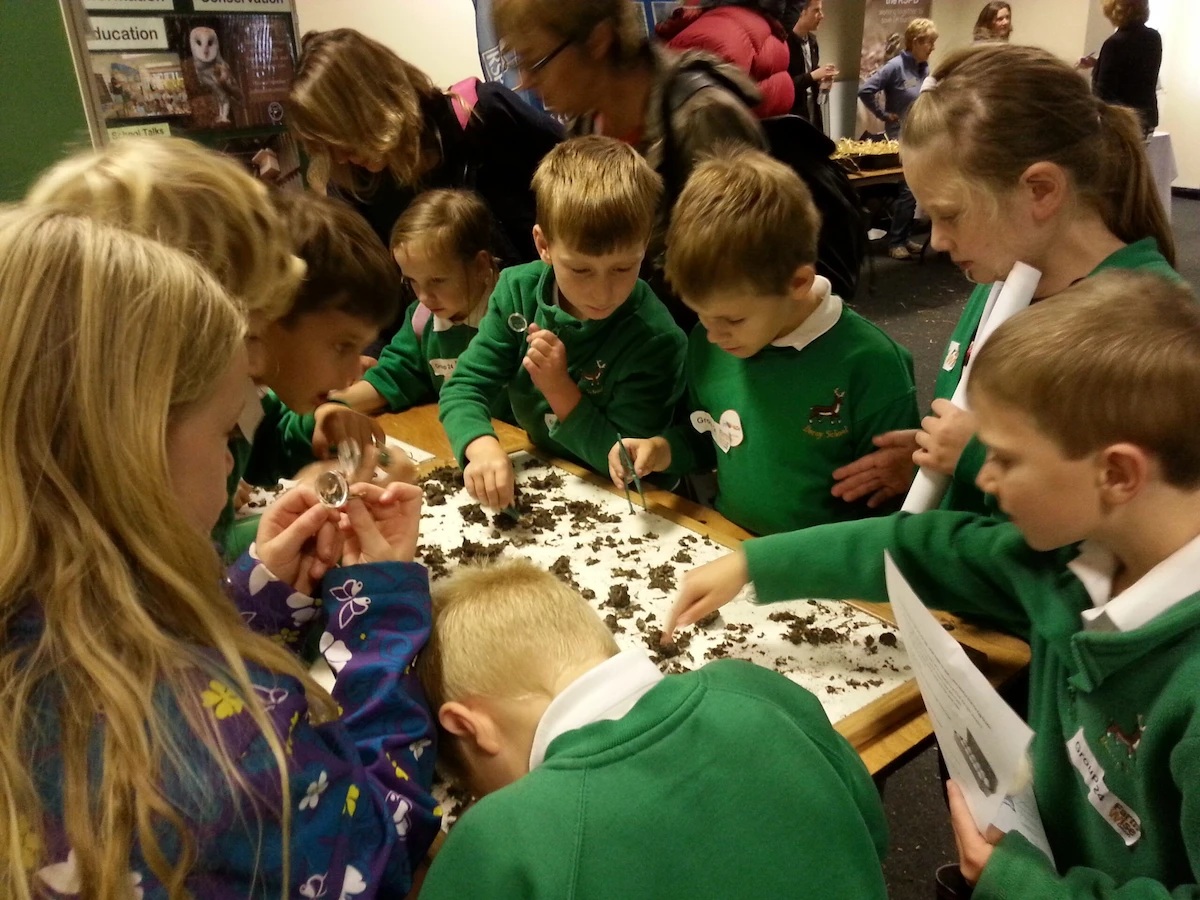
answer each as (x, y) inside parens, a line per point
(898, 84)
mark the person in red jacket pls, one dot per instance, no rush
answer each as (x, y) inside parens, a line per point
(748, 34)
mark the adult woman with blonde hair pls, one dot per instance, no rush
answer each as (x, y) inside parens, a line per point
(378, 130)
(1015, 161)
(994, 22)
(1126, 73)
(155, 746)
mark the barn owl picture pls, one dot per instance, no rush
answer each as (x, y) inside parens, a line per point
(213, 72)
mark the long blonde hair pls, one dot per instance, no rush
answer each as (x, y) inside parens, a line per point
(353, 95)
(189, 197)
(1006, 108)
(108, 337)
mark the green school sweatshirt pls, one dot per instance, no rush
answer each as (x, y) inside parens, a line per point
(282, 446)
(1134, 695)
(628, 366)
(413, 370)
(803, 413)
(725, 782)
(963, 494)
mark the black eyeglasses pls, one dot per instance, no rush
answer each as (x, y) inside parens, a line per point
(515, 61)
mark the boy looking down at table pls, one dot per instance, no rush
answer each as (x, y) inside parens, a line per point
(1087, 406)
(583, 347)
(784, 383)
(601, 778)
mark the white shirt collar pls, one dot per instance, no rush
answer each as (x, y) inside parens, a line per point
(1170, 582)
(473, 319)
(606, 692)
(252, 410)
(824, 317)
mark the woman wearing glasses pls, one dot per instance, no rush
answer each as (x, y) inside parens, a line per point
(378, 132)
(594, 64)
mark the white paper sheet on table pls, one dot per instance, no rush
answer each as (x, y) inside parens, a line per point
(416, 454)
(985, 743)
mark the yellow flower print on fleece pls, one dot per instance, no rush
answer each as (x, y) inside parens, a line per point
(352, 796)
(222, 700)
(31, 844)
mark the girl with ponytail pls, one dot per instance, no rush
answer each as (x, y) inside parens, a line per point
(154, 746)
(1014, 160)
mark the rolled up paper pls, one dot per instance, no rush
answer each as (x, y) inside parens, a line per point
(1007, 299)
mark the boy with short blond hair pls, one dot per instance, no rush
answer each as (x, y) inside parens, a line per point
(1087, 405)
(785, 384)
(584, 348)
(599, 777)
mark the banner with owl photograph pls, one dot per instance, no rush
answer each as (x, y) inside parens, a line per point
(198, 73)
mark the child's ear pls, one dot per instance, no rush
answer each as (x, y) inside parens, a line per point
(1125, 470)
(802, 282)
(474, 727)
(1045, 184)
(484, 265)
(600, 42)
(543, 245)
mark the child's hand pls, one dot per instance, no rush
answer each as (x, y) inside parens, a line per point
(365, 363)
(381, 524)
(546, 360)
(706, 589)
(884, 474)
(647, 455)
(489, 473)
(336, 423)
(395, 464)
(943, 437)
(298, 539)
(242, 495)
(974, 848)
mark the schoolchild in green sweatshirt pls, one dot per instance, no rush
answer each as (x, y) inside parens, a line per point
(349, 291)
(443, 245)
(784, 383)
(599, 777)
(1087, 407)
(1014, 160)
(583, 348)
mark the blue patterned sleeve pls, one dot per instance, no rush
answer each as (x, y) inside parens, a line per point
(269, 606)
(362, 812)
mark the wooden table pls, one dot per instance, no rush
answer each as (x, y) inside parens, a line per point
(885, 733)
(869, 177)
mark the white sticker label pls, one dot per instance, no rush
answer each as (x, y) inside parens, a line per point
(140, 33)
(551, 421)
(150, 129)
(727, 432)
(242, 5)
(443, 367)
(952, 356)
(1114, 810)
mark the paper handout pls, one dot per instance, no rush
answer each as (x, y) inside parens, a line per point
(984, 742)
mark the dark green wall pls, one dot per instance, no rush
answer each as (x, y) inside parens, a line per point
(41, 113)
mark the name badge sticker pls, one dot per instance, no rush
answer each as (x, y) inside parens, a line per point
(443, 367)
(1116, 812)
(727, 432)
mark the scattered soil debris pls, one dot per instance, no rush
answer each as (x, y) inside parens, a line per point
(682, 557)
(551, 481)
(710, 619)
(470, 551)
(473, 514)
(663, 578)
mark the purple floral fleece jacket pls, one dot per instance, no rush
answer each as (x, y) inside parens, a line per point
(362, 813)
